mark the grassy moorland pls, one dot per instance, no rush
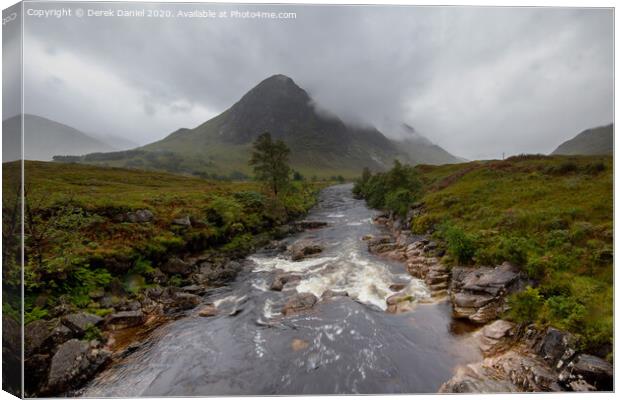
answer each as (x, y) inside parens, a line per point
(552, 216)
(82, 236)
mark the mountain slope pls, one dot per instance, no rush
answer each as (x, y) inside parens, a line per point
(420, 150)
(44, 138)
(593, 141)
(321, 144)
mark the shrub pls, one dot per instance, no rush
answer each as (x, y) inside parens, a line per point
(564, 312)
(525, 306)
(460, 245)
(514, 250)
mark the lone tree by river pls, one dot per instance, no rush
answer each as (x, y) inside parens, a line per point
(270, 162)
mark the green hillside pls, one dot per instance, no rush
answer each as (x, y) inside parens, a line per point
(595, 141)
(552, 216)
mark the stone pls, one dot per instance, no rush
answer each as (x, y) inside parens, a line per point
(217, 273)
(42, 336)
(367, 237)
(282, 279)
(304, 248)
(594, 370)
(299, 344)
(304, 225)
(556, 347)
(328, 294)
(397, 287)
(498, 329)
(80, 322)
(194, 289)
(140, 216)
(186, 301)
(124, 319)
(176, 266)
(208, 311)
(74, 363)
(183, 222)
(299, 303)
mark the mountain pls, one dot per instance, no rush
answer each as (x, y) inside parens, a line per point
(420, 150)
(321, 144)
(44, 138)
(593, 141)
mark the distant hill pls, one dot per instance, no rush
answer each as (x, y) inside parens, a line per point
(419, 150)
(44, 138)
(593, 141)
(320, 144)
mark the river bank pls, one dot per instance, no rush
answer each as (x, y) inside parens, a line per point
(517, 357)
(307, 316)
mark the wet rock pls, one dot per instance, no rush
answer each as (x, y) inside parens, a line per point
(208, 311)
(514, 370)
(74, 363)
(399, 302)
(556, 347)
(367, 237)
(194, 289)
(176, 266)
(397, 287)
(80, 322)
(304, 249)
(496, 337)
(186, 301)
(382, 244)
(304, 225)
(588, 371)
(184, 222)
(124, 319)
(328, 294)
(282, 279)
(42, 336)
(217, 272)
(581, 386)
(299, 303)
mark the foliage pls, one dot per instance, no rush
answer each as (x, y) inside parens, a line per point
(270, 162)
(395, 190)
(460, 245)
(525, 306)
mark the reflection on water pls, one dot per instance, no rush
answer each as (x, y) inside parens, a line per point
(343, 345)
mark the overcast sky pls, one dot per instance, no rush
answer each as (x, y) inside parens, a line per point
(477, 81)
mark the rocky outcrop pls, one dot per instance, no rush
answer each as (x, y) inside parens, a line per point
(304, 248)
(74, 363)
(478, 294)
(529, 360)
(299, 303)
(217, 272)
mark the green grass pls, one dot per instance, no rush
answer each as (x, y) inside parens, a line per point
(551, 216)
(78, 239)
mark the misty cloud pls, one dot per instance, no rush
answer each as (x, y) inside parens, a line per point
(477, 81)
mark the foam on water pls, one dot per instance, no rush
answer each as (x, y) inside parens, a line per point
(364, 280)
(271, 264)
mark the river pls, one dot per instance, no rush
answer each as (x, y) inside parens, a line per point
(344, 345)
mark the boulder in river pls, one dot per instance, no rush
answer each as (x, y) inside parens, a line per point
(299, 303)
(74, 363)
(282, 279)
(208, 311)
(304, 248)
(186, 301)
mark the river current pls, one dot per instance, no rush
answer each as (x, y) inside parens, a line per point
(343, 345)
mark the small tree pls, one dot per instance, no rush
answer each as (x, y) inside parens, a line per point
(270, 162)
